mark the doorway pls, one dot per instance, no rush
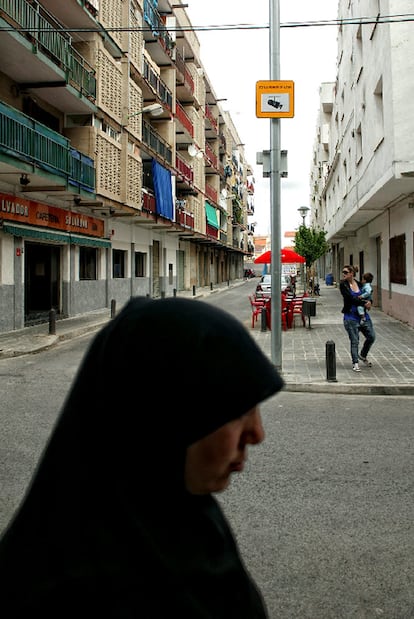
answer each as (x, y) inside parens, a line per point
(42, 281)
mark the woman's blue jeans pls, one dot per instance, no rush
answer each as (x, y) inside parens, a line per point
(353, 328)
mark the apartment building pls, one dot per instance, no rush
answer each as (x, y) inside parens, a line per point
(362, 179)
(120, 173)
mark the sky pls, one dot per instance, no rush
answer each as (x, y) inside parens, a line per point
(236, 59)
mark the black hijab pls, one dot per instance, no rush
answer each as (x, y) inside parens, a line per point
(107, 528)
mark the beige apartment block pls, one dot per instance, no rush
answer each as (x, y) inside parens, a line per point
(120, 173)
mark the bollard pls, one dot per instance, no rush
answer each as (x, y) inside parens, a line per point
(194, 291)
(211, 285)
(263, 317)
(162, 294)
(174, 292)
(113, 307)
(52, 322)
(228, 282)
(330, 362)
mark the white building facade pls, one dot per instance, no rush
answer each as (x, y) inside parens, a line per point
(362, 176)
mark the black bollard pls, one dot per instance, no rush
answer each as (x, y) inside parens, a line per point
(194, 291)
(113, 307)
(263, 318)
(52, 322)
(174, 292)
(330, 362)
(211, 285)
(228, 282)
(162, 294)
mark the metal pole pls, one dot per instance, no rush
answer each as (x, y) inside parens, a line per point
(330, 356)
(274, 50)
(263, 318)
(52, 322)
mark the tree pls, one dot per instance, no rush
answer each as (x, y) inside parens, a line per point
(311, 244)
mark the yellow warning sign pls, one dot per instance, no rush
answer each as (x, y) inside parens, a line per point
(275, 99)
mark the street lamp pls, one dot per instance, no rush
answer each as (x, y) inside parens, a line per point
(303, 210)
(155, 109)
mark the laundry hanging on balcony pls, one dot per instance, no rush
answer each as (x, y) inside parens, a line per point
(163, 190)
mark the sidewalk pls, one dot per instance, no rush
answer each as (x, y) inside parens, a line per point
(304, 365)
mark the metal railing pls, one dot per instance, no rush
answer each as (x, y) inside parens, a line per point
(28, 140)
(152, 139)
(45, 34)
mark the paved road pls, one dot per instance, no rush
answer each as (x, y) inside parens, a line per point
(323, 511)
(304, 350)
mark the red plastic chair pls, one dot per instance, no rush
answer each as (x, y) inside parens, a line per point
(286, 313)
(257, 305)
(297, 309)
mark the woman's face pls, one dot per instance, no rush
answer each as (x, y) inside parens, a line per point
(211, 460)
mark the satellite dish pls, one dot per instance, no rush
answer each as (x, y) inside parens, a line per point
(192, 150)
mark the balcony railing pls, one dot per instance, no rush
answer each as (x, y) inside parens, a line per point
(148, 203)
(212, 231)
(25, 139)
(211, 156)
(152, 139)
(184, 169)
(158, 28)
(45, 34)
(184, 218)
(211, 192)
(180, 64)
(209, 115)
(184, 119)
(157, 83)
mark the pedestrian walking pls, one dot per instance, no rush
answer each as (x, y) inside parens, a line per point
(351, 290)
(120, 520)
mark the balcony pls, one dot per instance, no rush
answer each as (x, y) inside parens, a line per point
(211, 193)
(155, 142)
(39, 56)
(185, 171)
(212, 120)
(183, 119)
(184, 218)
(158, 40)
(157, 86)
(24, 141)
(212, 231)
(148, 202)
(185, 85)
(211, 156)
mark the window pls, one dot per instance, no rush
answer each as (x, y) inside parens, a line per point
(378, 115)
(398, 273)
(140, 264)
(118, 263)
(88, 263)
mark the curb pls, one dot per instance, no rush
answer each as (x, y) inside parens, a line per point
(350, 389)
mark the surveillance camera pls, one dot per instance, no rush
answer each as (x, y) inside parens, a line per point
(77, 201)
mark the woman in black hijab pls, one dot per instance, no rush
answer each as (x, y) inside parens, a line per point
(119, 521)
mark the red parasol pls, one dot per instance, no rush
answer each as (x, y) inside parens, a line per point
(288, 256)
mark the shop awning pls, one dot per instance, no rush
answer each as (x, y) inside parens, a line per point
(54, 235)
(211, 215)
